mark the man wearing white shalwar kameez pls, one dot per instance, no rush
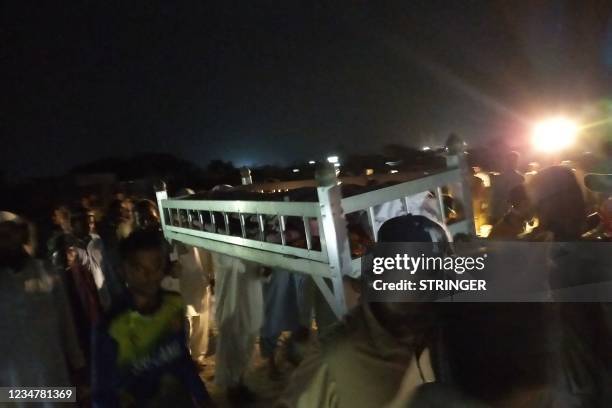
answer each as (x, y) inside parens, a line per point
(239, 317)
(194, 282)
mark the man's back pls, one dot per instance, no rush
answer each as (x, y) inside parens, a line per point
(358, 364)
(501, 187)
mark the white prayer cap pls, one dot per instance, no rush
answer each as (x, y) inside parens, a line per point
(222, 187)
(185, 192)
(6, 216)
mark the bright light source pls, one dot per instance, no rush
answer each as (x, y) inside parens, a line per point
(484, 230)
(554, 134)
(394, 171)
(369, 172)
(336, 164)
(332, 159)
(485, 177)
(296, 170)
(426, 148)
(311, 162)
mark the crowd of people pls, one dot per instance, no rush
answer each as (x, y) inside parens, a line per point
(106, 304)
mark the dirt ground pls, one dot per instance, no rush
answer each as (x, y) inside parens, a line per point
(257, 379)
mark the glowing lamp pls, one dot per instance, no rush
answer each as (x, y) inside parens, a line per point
(484, 230)
(555, 134)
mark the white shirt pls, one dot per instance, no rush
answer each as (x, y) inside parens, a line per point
(91, 259)
(194, 279)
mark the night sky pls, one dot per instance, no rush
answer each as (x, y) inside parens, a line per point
(275, 81)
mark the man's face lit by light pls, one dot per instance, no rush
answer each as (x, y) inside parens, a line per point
(555, 134)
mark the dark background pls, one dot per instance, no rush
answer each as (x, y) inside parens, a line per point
(276, 81)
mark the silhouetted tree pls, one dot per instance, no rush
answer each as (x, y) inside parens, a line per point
(222, 172)
(220, 167)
